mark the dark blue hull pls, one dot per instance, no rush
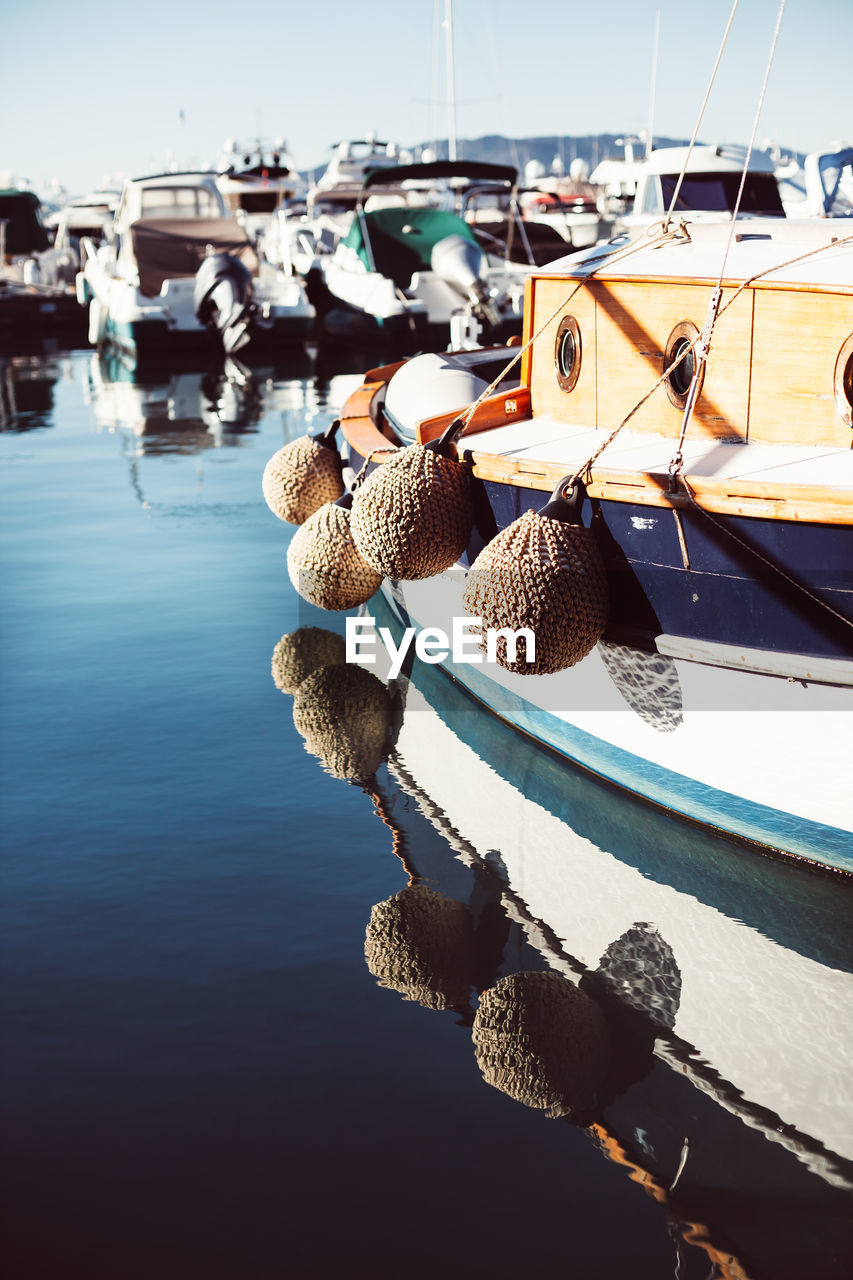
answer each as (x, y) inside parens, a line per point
(760, 584)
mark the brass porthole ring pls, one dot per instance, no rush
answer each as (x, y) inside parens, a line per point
(678, 383)
(567, 353)
(842, 383)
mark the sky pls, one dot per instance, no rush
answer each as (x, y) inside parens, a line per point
(127, 89)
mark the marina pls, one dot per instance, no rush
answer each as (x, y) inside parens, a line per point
(427, 653)
(189, 892)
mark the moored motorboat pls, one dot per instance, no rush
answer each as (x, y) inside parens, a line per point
(412, 258)
(35, 293)
(716, 480)
(176, 272)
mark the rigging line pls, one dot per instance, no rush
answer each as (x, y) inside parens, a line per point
(610, 258)
(704, 345)
(749, 150)
(691, 497)
(702, 111)
(780, 266)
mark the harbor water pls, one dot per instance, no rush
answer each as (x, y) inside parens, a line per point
(216, 1062)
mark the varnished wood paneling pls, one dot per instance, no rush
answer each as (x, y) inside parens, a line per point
(634, 323)
(554, 299)
(628, 324)
(795, 346)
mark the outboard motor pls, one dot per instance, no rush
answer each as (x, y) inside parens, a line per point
(461, 263)
(223, 299)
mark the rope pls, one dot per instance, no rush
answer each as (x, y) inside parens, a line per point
(701, 113)
(662, 237)
(361, 474)
(703, 345)
(764, 559)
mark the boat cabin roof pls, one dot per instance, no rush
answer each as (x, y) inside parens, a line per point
(170, 195)
(470, 170)
(706, 159)
(778, 250)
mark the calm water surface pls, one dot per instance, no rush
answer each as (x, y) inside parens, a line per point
(204, 1071)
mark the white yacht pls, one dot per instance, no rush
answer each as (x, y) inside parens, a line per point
(176, 269)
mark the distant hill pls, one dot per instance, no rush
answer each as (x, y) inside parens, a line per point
(519, 151)
(497, 149)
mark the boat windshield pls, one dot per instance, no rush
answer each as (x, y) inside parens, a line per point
(180, 202)
(717, 192)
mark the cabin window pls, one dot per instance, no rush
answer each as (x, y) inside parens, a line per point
(652, 202)
(718, 193)
(567, 353)
(679, 358)
(180, 202)
(844, 382)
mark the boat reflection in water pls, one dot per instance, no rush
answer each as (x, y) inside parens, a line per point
(683, 1000)
(27, 381)
(170, 408)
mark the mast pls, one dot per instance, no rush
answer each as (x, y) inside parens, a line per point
(651, 125)
(451, 80)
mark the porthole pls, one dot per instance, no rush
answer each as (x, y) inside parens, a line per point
(843, 382)
(679, 344)
(567, 353)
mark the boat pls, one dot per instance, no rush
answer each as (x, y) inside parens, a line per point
(572, 205)
(413, 258)
(259, 183)
(727, 1094)
(343, 178)
(700, 652)
(89, 215)
(35, 292)
(176, 273)
(828, 177)
(704, 182)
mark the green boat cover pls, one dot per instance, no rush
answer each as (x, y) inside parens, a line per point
(25, 232)
(402, 240)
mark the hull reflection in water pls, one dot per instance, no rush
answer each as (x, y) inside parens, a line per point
(682, 1000)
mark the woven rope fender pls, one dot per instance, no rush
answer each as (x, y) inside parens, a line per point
(546, 574)
(543, 1042)
(421, 944)
(344, 715)
(325, 565)
(303, 476)
(412, 517)
(299, 654)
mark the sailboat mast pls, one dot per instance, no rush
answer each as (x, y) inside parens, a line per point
(651, 124)
(451, 80)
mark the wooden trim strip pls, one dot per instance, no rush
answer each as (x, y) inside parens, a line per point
(505, 406)
(603, 277)
(755, 498)
(760, 499)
